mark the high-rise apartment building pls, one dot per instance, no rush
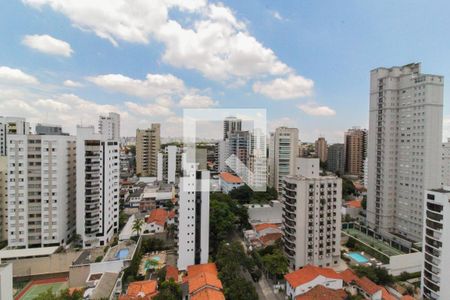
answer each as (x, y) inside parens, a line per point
(193, 217)
(355, 151)
(3, 198)
(446, 163)
(230, 125)
(148, 144)
(170, 164)
(109, 126)
(47, 129)
(9, 126)
(41, 190)
(404, 150)
(311, 216)
(97, 187)
(283, 151)
(336, 158)
(322, 149)
(436, 244)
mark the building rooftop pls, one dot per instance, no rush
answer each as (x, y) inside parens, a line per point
(309, 273)
(30, 252)
(260, 227)
(158, 216)
(230, 178)
(320, 292)
(141, 290)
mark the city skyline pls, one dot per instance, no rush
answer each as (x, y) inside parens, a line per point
(54, 72)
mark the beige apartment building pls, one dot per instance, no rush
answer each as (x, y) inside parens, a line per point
(355, 151)
(148, 143)
(322, 149)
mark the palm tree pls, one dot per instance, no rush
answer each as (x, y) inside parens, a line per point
(137, 226)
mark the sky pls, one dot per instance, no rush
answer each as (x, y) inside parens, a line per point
(306, 62)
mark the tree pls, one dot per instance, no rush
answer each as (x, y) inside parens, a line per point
(171, 229)
(169, 290)
(275, 264)
(240, 289)
(242, 194)
(123, 218)
(221, 222)
(63, 295)
(347, 188)
(137, 226)
(377, 275)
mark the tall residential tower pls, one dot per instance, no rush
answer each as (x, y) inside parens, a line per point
(148, 143)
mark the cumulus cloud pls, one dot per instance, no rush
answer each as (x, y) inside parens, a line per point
(316, 110)
(196, 101)
(294, 86)
(72, 84)
(151, 110)
(48, 45)
(275, 14)
(214, 42)
(153, 86)
(15, 76)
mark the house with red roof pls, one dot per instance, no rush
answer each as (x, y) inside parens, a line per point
(141, 290)
(301, 281)
(203, 283)
(229, 182)
(172, 273)
(156, 221)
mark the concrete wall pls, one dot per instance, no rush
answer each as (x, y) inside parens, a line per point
(410, 263)
(55, 263)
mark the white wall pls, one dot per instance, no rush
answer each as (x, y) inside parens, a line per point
(6, 282)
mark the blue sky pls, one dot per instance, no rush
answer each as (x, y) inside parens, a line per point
(306, 62)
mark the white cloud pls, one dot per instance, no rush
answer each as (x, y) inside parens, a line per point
(10, 75)
(151, 110)
(48, 45)
(153, 86)
(214, 42)
(275, 14)
(316, 110)
(294, 86)
(196, 101)
(72, 84)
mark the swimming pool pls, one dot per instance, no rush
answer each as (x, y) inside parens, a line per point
(122, 254)
(359, 258)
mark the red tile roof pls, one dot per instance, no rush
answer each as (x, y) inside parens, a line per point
(172, 272)
(141, 290)
(367, 285)
(348, 276)
(230, 178)
(171, 214)
(158, 216)
(386, 295)
(202, 277)
(308, 273)
(208, 294)
(319, 292)
(353, 203)
(408, 297)
(260, 227)
(270, 238)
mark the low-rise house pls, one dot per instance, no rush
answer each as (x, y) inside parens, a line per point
(352, 208)
(202, 282)
(229, 182)
(141, 290)
(172, 273)
(263, 235)
(156, 221)
(320, 292)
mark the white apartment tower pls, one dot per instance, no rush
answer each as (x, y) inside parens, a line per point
(109, 126)
(436, 244)
(41, 190)
(283, 151)
(193, 217)
(311, 216)
(405, 133)
(9, 126)
(446, 163)
(169, 164)
(97, 187)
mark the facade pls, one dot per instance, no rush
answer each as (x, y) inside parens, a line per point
(355, 151)
(148, 144)
(10, 126)
(41, 190)
(3, 198)
(6, 281)
(436, 244)
(283, 151)
(230, 125)
(169, 164)
(322, 149)
(97, 187)
(193, 218)
(47, 129)
(405, 132)
(109, 126)
(336, 158)
(311, 216)
(446, 163)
